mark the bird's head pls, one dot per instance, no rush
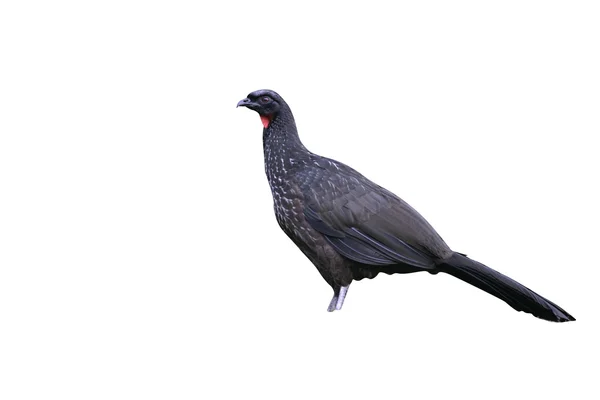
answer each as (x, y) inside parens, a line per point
(266, 103)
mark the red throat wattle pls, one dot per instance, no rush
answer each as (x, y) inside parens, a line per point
(266, 120)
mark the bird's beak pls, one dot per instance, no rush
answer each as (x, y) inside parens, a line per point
(244, 103)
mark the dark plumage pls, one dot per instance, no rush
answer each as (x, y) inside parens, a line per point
(351, 228)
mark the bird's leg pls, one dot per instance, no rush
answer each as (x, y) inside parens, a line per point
(341, 297)
(333, 301)
(337, 301)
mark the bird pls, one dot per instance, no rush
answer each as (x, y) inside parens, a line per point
(351, 228)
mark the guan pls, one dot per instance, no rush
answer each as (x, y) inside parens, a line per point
(351, 228)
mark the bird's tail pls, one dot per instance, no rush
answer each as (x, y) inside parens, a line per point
(516, 295)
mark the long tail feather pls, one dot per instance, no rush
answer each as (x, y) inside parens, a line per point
(512, 292)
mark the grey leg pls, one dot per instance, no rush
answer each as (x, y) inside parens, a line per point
(337, 301)
(341, 297)
(332, 303)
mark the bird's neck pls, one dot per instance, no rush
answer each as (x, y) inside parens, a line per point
(282, 136)
(282, 146)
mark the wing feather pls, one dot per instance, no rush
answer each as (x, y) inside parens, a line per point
(368, 224)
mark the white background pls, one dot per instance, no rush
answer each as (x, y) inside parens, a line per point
(139, 254)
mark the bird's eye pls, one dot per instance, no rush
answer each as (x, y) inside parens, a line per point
(265, 99)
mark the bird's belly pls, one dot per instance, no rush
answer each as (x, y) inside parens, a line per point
(290, 216)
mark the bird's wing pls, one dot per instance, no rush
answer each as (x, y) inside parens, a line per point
(366, 223)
